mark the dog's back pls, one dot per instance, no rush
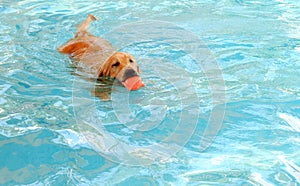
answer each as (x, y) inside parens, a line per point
(86, 48)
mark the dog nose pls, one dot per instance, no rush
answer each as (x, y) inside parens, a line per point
(130, 73)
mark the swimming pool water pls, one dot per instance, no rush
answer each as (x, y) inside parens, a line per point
(52, 126)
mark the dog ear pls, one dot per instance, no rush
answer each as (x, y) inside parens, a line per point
(104, 70)
(100, 73)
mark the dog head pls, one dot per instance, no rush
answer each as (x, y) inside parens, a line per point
(123, 67)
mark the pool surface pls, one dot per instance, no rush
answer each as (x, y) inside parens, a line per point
(221, 105)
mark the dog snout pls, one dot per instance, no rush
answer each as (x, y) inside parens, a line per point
(130, 73)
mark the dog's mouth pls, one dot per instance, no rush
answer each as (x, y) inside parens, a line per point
(133, 83)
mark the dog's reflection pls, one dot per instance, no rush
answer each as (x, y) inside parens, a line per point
(103, 88)
(100, 87)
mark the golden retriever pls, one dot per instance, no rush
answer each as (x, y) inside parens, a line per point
(99, 56)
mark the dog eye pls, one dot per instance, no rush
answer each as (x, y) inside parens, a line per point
(116, 64)
(130, 60)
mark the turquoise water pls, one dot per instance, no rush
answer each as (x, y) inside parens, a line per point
(54, 131)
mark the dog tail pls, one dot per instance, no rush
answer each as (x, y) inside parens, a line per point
(83, 27)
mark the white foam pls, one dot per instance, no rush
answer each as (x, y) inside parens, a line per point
(291, 167)
(259, 179)
(71, 138)
(291, 120)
